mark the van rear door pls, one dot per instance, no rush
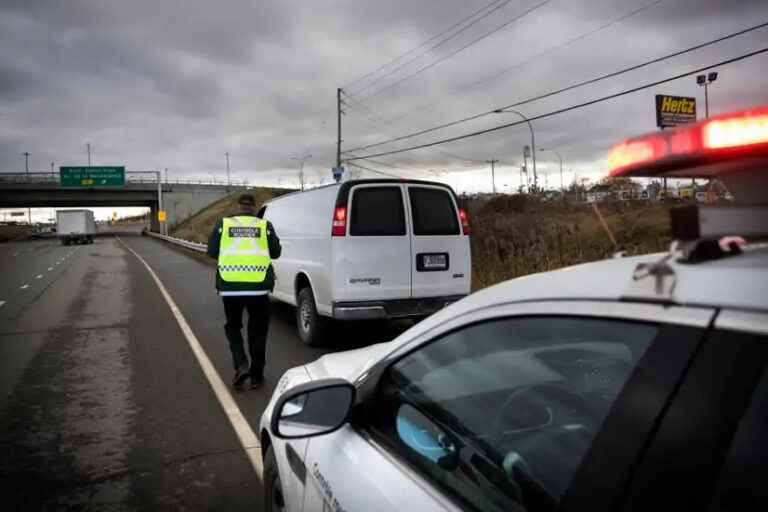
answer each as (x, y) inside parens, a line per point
(373, 261)
(441, 261)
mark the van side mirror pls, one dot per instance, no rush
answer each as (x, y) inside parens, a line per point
(313, 409)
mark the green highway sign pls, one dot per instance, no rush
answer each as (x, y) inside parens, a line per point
(92, 176)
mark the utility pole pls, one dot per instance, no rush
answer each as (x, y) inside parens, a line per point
(338, 127)
(52, 171)
(166, 175)
(493, 162)
(88, 147)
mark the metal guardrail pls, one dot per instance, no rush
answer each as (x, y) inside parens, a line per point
(47, 177)
(179, 241)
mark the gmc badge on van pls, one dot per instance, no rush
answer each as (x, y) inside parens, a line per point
(244, 232)
(372, 281)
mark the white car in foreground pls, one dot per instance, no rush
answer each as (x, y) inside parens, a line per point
(633, 383)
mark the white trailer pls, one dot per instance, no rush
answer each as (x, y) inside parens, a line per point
(75, 226)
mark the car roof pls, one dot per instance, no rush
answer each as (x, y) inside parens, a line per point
(738, 282)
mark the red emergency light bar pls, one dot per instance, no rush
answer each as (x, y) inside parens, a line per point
(704, 149)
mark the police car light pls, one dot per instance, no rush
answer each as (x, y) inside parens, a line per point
(728, 133)
(689, 145)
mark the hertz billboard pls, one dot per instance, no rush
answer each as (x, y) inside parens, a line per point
(674, 110)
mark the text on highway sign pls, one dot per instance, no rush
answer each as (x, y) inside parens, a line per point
(92, 176)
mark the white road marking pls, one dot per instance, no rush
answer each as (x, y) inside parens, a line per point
(1, 303)
(248, 439)
(39, 276)
(50, 269)
(24, 287)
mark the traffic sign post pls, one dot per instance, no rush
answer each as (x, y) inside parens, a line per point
(92, 176)
(338, 172)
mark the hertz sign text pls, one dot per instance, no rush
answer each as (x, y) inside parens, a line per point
(674, 110)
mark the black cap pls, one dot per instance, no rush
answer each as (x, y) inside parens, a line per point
(246, 199)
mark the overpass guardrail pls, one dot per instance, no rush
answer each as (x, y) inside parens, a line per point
(195, 246)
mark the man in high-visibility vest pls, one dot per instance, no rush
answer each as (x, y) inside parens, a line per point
(245, 246)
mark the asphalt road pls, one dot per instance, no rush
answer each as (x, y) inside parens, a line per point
(103, 405)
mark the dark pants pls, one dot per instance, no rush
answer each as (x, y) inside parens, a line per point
(258, 324)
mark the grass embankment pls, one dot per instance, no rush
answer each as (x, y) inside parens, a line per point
(10, 232)
(512, 236)
(199, 226)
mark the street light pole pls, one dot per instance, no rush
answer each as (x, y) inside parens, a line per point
(533, 139)
(705, 80)
(228, 180)
(562, 189)
(26, 166)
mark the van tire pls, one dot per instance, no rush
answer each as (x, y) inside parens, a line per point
(310, 325)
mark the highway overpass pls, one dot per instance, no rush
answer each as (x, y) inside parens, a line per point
(181, 199)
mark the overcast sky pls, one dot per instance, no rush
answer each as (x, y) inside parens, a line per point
(176, 84)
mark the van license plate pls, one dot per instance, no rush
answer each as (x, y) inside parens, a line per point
(434, 261)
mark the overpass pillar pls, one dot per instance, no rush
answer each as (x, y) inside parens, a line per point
(154, 224)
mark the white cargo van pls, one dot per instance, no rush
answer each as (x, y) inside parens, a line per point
(75, 226)
(369, 249)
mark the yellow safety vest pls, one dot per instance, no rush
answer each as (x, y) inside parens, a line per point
(244, 250)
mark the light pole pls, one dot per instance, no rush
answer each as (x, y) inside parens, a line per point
(705, 80)
(562, 190)
(301, 160)
(228, 180)
(26, 166)
(533, 138)
(88, 148)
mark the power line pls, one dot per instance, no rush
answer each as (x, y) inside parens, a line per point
(566, 109)
(373, 170)
(565, 44)
(564, 89)
(433, 47)
(459, 50)
(350, 84)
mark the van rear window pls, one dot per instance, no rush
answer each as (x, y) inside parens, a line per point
(433, 212)
(377, 211)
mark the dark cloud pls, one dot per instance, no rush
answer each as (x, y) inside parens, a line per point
(177, 83)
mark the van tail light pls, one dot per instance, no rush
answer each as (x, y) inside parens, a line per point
(464, 221)
(339, 222)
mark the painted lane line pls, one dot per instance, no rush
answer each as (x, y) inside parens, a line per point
(50, 269)
(248, 439)
(39, 276)
(1, 303)
(24, 287)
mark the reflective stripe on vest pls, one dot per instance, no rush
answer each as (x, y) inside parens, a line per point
(244, 250)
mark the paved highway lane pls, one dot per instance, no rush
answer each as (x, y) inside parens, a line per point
(110, 410)
(104, 404)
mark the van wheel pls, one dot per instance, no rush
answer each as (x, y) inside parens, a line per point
(311, 326)
(274, 499)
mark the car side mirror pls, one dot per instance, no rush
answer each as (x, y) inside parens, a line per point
(313, 409)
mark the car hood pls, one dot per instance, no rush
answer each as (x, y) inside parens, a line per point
(348, 365)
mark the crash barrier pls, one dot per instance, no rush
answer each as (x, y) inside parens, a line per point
(195, 246)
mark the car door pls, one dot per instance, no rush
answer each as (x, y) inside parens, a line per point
(508, 409)
(711, 449)
(373, 261)
(441, 262)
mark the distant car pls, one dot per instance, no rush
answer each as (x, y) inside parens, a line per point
(369, 249)
(629, 384)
